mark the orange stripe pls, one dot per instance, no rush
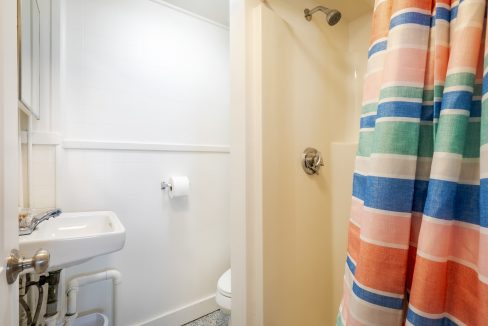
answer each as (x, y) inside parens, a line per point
(428, 287)
(381, 21)
(413, 4)
(465, 297)
(382, 268)
(353, 242)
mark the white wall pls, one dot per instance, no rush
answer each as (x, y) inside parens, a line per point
(308, 96)
(128, 73)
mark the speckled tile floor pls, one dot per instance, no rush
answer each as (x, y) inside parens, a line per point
(215, 318)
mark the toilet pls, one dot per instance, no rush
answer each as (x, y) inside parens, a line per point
(224, 293)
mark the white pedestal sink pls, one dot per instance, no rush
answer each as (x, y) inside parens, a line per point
(73, 238)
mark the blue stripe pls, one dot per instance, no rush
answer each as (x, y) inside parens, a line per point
(377, 299)
(442, 13)
(351, 265)
(399, 109)
(380, 46)
(389, 194)
(485, 84)
(457, 100)
(427, 113)
(451, 201)
(358, 185)
(415, 319)
(368, 121)
(437, 109)
(419, 195)
(454, 12)
(410, 18)
(484, 202)
(475, 109)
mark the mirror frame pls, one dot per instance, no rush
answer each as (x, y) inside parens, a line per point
(22, 105)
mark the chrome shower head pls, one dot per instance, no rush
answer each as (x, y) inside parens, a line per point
(332, 16)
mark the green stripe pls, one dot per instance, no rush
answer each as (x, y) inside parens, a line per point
(402, 91)
(426, 140)
(339, 320)
(438, 90)
(478, 90)
(451, 133)
(428, 95)
(368, 108)
(397, 138)
(484, 125)
(366, 141)
(472, 142)
(460, 79)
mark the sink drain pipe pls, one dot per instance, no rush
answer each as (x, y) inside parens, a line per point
(77, 282)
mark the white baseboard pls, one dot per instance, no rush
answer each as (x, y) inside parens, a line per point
(184, 314)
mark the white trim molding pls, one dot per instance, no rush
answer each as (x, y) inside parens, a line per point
(185, 314)
(142, 146)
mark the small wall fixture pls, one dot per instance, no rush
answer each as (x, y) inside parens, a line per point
(332, 16)
(312, 160)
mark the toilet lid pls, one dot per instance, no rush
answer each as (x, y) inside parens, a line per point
(224, 284)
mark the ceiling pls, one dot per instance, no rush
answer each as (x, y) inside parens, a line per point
(216, 10)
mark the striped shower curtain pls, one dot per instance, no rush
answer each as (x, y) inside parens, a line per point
(418, 231)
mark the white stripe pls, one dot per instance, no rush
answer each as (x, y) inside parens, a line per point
(466, 225)
(393, 167)
(366, 129)
(383, 244)
(391, 213)
(397, 119)
(458, 88)
(458, 69)
(364, 115)
(402, 83)
(454, 112)
(400, 99)
(452, 167)
(484, 161)
(371, 314)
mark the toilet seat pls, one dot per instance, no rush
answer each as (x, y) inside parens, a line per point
(224, 293)
(224, 284)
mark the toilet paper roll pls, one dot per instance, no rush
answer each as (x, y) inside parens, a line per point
(180, 187)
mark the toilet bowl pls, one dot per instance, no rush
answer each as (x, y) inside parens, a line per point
(224, 293)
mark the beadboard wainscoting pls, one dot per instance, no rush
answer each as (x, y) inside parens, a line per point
(138, 92)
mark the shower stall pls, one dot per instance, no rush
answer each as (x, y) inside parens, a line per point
(301, 78)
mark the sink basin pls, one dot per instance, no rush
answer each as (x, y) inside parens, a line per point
(73, 238)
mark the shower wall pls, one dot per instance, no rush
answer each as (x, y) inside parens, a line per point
(310, 77)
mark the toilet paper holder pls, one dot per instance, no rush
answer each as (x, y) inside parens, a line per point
(166, 185)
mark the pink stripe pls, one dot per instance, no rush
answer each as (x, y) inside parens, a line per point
(411, 69)
(456, 240)
(372, 83)
(381, 227)
(483, 254)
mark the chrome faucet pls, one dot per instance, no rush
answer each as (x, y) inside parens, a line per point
(38, 219)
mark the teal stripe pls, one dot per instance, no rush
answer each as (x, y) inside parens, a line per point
(397, 138)
(402, 91)
(366, 140)
(451, 134)
(368, 108)
(460, 79)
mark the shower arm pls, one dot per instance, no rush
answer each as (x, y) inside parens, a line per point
(309, 13)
